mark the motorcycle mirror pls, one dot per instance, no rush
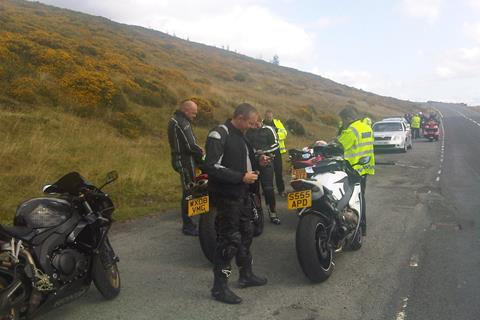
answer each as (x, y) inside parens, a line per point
(111, 176)
(364, 160)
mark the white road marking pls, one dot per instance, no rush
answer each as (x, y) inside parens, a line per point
(414, 260)
(438, 179)
(402, 314)
(439, 172)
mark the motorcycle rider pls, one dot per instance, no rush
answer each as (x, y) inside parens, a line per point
(231, 163)
(186, 156)
(357, 142)
(277, 160)
(264, 139)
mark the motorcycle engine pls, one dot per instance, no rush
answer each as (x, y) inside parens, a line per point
(349, 219)
(70, 264)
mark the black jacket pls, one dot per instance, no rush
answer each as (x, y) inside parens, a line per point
(263, 139)
(183, 144)
(226, 161)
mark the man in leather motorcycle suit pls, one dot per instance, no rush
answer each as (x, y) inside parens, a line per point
(264, 140)
(231, 166)
(357, 142)
(186, 156)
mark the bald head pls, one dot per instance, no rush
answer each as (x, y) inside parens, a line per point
(189, 109)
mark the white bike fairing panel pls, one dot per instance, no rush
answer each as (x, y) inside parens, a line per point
(333, 182)
(355, 202)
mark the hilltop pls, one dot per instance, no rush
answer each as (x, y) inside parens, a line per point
(79, 92)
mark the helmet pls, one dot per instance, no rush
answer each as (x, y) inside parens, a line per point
(367, 121)
(320, 143)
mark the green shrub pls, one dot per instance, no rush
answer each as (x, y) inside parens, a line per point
(241, 77)
(329, 120)
(206, 114)
(295, 127)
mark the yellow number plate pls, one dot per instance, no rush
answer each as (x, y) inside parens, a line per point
(299, 174)
(299, 199)
(198, 206)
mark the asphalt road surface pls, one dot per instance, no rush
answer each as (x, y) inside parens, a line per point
(420, 259)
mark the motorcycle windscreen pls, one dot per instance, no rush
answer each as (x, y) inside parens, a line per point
(70, 183)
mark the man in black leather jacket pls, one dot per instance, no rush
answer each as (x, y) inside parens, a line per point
(265, 141)
(231, 166)
(186, 155)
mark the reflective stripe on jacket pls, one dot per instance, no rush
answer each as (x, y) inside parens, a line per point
(357, 141)
(282, 134)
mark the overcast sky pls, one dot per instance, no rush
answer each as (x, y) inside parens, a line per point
(410, 49)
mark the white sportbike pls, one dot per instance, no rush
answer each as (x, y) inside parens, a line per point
(330, 220)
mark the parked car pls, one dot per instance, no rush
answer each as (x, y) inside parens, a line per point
(392, 135)
(398, 119)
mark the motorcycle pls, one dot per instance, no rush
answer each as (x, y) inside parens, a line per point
(206, 226)
(330, 210)
(57, 246)
(431, 131)
(301, 162)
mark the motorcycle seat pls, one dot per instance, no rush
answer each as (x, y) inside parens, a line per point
(18, 232)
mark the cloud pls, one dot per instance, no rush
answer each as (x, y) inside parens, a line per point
(474, 4)
(423, 9)
(472, 30)
(327, 22)
(242, 25)
(459, 63)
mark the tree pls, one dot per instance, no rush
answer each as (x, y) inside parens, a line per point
(275, 60)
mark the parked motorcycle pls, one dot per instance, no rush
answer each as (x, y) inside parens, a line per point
(431, 131)
(301, 162)
(206, 228)
(329, 204)
(56, 247)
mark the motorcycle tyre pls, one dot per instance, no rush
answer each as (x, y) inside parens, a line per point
(14, 314)
(207, 233)
(307, 251)
(102, 277)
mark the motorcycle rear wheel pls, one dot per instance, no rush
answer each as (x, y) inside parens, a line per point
(314, 254)
(105, 272)
(207, 234)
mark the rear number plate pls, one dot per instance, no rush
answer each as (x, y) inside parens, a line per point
(299, 199)
(299, 174)
(198, 206)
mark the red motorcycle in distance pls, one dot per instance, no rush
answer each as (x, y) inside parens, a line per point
(431, 130)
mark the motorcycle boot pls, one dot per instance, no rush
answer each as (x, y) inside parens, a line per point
(273, 216)
(221, 291)
(249, 279)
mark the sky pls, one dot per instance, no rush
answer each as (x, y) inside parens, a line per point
(416, 50)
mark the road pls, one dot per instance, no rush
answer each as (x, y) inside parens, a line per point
(419, 261)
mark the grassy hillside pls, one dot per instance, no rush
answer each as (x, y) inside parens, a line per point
(83, 93)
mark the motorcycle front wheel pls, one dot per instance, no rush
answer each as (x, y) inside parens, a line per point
(11, 314)
(314, 253)
(105, 272)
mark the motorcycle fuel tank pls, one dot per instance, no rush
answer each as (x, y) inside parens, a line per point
(43, 213)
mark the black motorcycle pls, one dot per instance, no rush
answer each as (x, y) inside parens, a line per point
(57, 245)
